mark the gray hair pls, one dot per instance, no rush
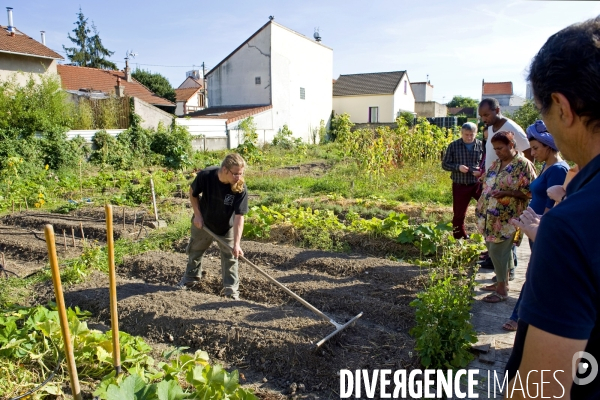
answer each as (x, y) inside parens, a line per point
(469, 126)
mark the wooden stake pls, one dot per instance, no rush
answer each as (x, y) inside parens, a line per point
(13, 204)
(112, 277)
(19, 206)
(82, 234)
(73, 235)
(65, 239)
(3, 262)
(26, 205)
(123, 218)
(134, 219)
(141, 226)
(62, 312)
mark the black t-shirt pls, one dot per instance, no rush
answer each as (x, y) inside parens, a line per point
(218, 203)
(562, 292)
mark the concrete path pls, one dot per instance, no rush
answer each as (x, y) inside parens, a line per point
(488, 319)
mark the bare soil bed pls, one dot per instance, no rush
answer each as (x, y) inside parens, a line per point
(267, 335)
(24, 246)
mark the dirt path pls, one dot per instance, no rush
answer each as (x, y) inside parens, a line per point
(269, 337)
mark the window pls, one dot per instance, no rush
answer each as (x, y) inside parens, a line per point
(302, 93)
(257, 80)
(373, 114)
(405, 87)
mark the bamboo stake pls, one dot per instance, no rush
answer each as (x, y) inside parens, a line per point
(19, 206)
(154, 200)
(65, 239)
(112, 277)
(13, 208)
(3, 262)
(82, 234)
(134, 219)
(62, 313)
(26, 204)
(73, 236)
(123, 218)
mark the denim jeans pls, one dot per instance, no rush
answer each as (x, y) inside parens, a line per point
(200, 240)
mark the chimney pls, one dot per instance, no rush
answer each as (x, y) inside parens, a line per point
(10, 27)
(127, 70)
(119, 90)
(43, 37)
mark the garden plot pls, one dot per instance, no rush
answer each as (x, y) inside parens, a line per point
(268, 336)
(24, 246)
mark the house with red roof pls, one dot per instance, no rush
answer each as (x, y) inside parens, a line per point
(503, 92)
(99, 83)
(21, 53)
(190, 95)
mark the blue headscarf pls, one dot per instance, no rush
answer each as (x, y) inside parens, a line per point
(539, 132)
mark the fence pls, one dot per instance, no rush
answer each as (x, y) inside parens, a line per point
(111, 113)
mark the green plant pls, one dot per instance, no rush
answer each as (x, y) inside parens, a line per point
(175, 144)
(443, 331)
(526, 115)
(340, 127)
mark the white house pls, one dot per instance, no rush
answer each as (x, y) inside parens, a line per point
(373, 97)
(21, 53)
(190, 94)
(278, 76)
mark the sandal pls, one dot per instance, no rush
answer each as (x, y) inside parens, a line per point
(510, 326)
(495, 298)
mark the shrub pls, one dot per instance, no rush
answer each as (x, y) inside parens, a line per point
(340, 127)
(174, 144)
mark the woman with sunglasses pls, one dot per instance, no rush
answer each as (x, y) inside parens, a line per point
(554, 171)
(222, 207)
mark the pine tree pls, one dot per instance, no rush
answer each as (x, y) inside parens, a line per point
(89, 50)
(98, 52)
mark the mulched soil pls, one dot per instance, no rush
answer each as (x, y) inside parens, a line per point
(266, 334)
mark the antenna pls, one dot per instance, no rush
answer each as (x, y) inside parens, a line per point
(316, 35)
(130, 53)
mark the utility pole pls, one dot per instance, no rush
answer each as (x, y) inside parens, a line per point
(204, 84)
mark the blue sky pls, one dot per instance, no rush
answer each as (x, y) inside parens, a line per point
(456, 43)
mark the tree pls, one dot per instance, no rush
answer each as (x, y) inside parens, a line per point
(88, 50)
(460, 101)
(157, 83)
(526, 115)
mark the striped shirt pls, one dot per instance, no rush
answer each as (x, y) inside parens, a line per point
(456, 155)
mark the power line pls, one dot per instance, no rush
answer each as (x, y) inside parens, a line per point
(147, 65)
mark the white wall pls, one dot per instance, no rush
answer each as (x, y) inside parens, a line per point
(422, 91)
(403, 102)
(12, 63)
(233, 82)
(179, 108)
(264, 128)
(358, 107)
(298, 61)
(208, 127)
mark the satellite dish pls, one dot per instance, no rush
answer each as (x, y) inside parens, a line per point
(316, 35)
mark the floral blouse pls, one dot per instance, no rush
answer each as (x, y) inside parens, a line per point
(493, 214)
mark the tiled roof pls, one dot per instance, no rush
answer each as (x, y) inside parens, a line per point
(491, 88)
(75, 78)
(231, 114)
(186, 94)
(373, 83)
(468, 111)
(20, 43)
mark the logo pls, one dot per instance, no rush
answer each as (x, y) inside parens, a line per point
(229, 200)
(584, 371)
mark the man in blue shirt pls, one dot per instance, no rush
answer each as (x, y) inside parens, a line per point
(559, 327)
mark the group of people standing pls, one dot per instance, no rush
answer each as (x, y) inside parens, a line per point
(557, 316)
